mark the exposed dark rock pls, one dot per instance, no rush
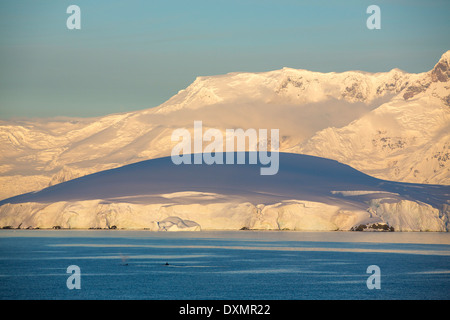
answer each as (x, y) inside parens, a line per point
(373, 226)
(441, 72)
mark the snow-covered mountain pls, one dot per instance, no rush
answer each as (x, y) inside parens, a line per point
(308, 193)
(404, 139)
(392, 125)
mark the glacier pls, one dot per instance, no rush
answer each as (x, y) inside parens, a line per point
(308, 193)
(392, 125)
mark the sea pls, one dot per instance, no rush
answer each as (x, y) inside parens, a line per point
(223, 265)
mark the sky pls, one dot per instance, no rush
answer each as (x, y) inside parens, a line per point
(136, 54)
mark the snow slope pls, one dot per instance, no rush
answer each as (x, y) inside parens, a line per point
(392, 125)
(308, 193)
(405, 139)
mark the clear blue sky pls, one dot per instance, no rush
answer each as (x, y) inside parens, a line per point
(132, 55)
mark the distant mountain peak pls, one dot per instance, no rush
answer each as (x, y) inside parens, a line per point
(445, 56)
(441, 71)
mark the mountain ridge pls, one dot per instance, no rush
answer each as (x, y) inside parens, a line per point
(375, 120)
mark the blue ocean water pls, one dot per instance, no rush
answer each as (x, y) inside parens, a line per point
(236, 265)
